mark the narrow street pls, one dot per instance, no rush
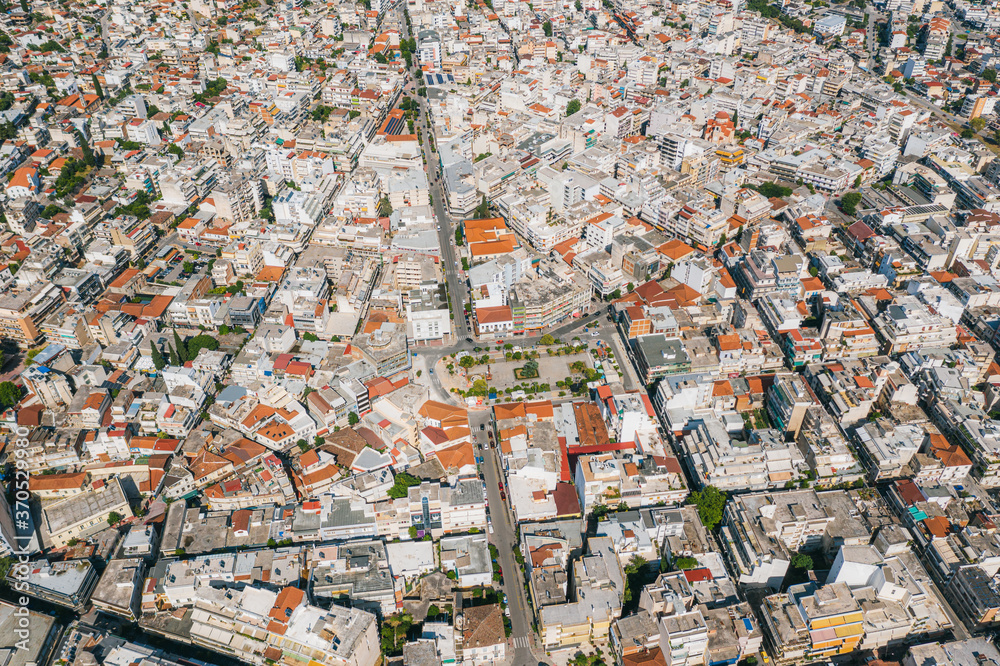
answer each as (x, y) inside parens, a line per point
(504, 537)
(446, 230)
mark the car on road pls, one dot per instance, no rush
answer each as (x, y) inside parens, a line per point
(482, 427)
(490, 525)
(595, 334)
(503, 496)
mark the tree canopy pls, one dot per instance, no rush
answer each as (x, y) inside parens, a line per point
(802, 561)
(402, 483)
(10, 394)
(710, 503)
(199, 342)
(849, 203)
(773, 190)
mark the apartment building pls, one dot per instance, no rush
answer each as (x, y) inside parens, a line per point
(238, 199)
(598, 581)
(22, 312)
(762, 530)
(85, 513)
(908, 324)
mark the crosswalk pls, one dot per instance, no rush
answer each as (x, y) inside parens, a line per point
(520, 642)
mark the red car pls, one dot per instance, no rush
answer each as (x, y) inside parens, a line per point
(503, 496)
(500, 485)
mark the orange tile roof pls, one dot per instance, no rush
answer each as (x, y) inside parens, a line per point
(457, 457)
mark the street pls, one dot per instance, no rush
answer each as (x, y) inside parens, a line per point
(446, 232)
(504, 537)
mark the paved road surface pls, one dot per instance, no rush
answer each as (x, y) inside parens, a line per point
(503, 537)
(446, 231)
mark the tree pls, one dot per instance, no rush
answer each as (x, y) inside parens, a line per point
(977, 124)
(114, 518)
(310, 337)
(394, 630)
(849, 203)
(483, 209)
(968, 133)
(572, 107)
(774, 191)
(179, 346)
(547, 28)
(990, 75)
(88, 153)
(24, 7)
(710, 503)
(433, 611)
(467, 362)
(802, 561)
(353, 419)
(158, 361)
(199, 342)
(547, 340)
(401, 484)
(175, 358)
(857, 181)
(685, 563)
(10, 394)
(97, 86)
(633, 573)
(51, 211)
(188, 267)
